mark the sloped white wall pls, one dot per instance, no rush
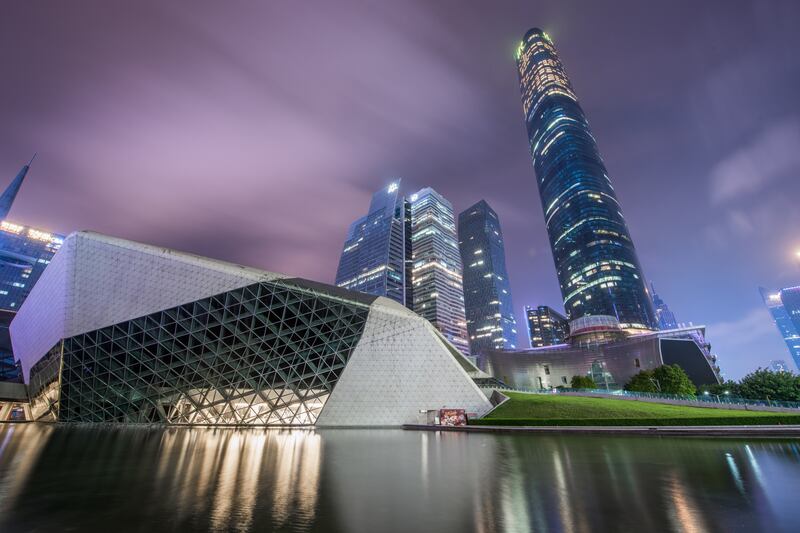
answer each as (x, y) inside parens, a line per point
(96, 281)
(399, 367)
(39, 323)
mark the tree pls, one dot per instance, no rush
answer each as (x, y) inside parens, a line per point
(720, 389)
(642, 382)
(765, 384)
(672, 379)
(669, 379)
(583, 382)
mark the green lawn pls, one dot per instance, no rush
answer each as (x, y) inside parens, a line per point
(555, 410)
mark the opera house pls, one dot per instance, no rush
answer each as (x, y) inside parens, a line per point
(121, 332)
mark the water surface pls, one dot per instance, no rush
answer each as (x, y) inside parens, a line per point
(55, 478)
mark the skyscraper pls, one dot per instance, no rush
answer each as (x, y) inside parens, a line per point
(781, 316)
(10, 194)
(24, 254)
(438, 292)
(595, 260)
(779, 365)
(791, 302)
(377, 251)
(487, 291)
(546, 326)
(664, 317)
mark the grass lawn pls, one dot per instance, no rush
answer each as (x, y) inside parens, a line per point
(556, 410)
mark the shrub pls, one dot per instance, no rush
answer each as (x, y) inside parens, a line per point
(719, 389)
(583, 382)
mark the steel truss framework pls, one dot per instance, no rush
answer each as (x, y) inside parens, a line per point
(265, 354)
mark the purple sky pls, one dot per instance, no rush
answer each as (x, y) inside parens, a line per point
(256, 132)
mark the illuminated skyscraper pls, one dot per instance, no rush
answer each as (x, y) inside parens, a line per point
(779, 365)
(487, 291)
(437, 283)
(791, 302)
(377, 251)
(10, 194)
(595, 260)
(24, 254)
(781, 304)
(546, 326)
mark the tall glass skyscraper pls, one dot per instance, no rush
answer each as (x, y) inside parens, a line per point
(791, 302)
(596, 263)
(487, 291)
(546, 326)
(784, 306)
(24, 254)
(436, 275)
(377, 251)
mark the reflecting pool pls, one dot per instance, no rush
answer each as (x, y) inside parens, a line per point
(55, 478)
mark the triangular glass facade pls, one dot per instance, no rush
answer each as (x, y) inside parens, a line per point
(265, 354)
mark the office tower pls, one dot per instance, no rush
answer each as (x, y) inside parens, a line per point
(377, 251)
(10, 194)
(779, 365)
(595, 259)
(664, 317)
(487, 291)
(436, 274)
(546, 326)
(24, 254)
(790, 297)
(781, 316)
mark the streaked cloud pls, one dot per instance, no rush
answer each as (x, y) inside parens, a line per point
(771, 155)
(753, 334)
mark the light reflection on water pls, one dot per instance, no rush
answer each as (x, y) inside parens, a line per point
(56, 478)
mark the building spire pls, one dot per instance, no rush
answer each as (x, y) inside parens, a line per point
(7, 199)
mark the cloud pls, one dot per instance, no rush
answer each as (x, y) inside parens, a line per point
(753, 334)
(771, 155)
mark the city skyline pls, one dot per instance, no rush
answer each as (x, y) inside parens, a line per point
(680, 144)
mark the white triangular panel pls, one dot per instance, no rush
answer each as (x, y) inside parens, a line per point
(398, 368)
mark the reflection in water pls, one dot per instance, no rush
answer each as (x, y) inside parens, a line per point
(201, 479)
(20, 445)
(685, 514)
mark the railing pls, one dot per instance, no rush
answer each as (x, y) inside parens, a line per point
(724, 399)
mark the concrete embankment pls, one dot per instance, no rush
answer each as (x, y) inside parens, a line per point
(696, 431)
